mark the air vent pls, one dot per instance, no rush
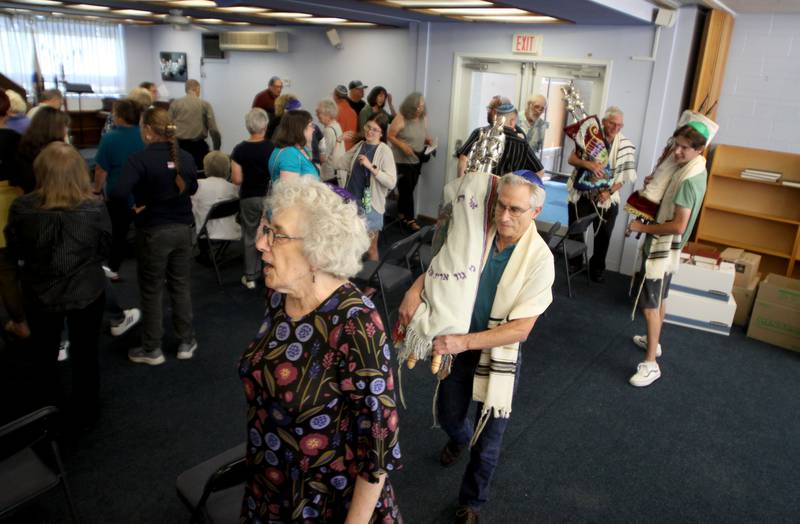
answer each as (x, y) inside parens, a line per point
(254, 41)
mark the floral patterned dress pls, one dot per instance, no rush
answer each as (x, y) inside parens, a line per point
(322, 411)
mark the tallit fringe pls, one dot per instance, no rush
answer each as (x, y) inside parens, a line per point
(486, 414)
(416, 344)
(433, 407)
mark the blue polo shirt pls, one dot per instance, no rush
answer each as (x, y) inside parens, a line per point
(487, 286)
(115, 148)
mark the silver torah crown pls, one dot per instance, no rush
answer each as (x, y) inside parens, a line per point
(487, 150)
(572, 99)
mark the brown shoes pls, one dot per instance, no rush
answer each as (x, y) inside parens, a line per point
(450, 453)
(466, 515)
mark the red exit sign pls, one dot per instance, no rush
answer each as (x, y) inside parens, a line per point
(526, 43)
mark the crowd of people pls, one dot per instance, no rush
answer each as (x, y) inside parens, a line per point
(323, 424)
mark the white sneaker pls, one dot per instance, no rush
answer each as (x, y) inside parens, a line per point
(113, 275)
(132, 317)
(63, 351)
(646, 374)
(186, 350)
(641, 341)
(249, 284)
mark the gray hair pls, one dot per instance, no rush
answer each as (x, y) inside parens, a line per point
(335, 237)
(613, 110)
(537, 193)
(256, 121)
(18, 104)
(217, 164)
(533, 98)
(273, 79)
(328, 107)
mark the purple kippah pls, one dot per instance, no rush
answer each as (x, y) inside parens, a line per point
(530, 176)
(292, 104)
(346, 195)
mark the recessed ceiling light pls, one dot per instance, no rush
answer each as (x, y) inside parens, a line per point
(438, 3)
(132, 12)
(285, 14)
(194, 3)
(499, 11)
(208, 20)
(89, 7)
(38, 2)
(514, 19)
(323, 20)
(241, 9)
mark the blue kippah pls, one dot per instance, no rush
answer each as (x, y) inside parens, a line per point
(292, 104)
(530, 176)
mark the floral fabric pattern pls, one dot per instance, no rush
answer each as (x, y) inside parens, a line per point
(321, 411)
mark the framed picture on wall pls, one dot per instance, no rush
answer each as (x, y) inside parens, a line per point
(173, 67)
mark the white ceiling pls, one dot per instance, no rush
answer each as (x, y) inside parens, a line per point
(737, 6)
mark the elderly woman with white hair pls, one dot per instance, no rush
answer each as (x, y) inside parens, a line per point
(333, 140)
(17, 118)
(322, 422)
(249, 171)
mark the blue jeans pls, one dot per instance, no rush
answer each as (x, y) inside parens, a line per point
(455, 397)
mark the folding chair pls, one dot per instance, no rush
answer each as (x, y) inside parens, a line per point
(572, 248)
(213, 490)
(547, 235)
(222, 209)
(30, 464)
(385, 276)
(422, 251)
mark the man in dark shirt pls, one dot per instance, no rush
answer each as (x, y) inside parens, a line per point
(517, 153)
(266, 98)
(355, 95)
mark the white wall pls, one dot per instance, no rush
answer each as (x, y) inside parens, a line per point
(311, 69)
(760, 103)
(139, 56)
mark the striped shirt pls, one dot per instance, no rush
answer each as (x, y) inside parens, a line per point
(517, 153)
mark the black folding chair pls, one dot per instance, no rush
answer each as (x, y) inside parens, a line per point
(213, 490)
(422, 251)
(547, 235)
(569, 248)
(30, 464)
(385, 276)
(218, 246)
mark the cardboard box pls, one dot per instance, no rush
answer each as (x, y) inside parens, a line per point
(710, 282)
(746, 264)
(776, 314)
(699, 312)
(705, 250)
(745, 297)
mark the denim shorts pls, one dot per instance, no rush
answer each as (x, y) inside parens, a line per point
(374, 220)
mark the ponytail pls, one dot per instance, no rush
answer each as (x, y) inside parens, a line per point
(158, 120)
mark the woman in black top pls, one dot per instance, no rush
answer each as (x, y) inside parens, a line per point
(161, 179)
(60, 234)
(249, 170)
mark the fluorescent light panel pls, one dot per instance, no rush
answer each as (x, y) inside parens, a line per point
(242, 9)
(207, 20)
(438, 3)
(478, 11)
(132, 12)
(89, 7)
(38, 2)
(323, 20)
(357, 24)
(514, 19)
(284, 14)
(194, 3)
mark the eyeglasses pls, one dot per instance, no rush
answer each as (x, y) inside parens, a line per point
(373, 129)
(266, 232)
(514, 211)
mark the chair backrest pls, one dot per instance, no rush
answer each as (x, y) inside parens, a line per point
(223, 209)
(581, 225)
(425, 236)
(547, 235)
(27, 430)
(398, 250)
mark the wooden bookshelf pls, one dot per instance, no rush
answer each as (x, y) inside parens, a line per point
(754, 215)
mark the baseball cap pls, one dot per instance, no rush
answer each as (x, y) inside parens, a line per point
(357, 84)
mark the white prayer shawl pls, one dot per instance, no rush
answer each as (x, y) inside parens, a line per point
(665, 250)
(524, 291)
(453, 275)
(622, 161)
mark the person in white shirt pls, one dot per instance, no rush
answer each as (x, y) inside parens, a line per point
(216, 188)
